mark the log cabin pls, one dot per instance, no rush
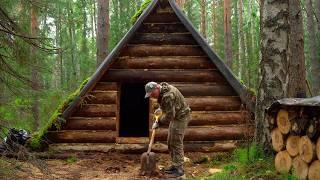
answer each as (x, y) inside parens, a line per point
(161, 46)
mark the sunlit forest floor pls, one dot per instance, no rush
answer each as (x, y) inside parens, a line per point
(113, 165)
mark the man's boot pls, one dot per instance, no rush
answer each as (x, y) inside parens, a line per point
(177, 172)
(169, 170)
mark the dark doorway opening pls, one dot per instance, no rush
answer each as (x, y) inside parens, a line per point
(134, 111)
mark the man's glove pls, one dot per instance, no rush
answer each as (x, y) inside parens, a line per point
(155, 125)
(158, 112)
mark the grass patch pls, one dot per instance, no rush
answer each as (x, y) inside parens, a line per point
(220, 158)
(144, 5)
(246, 163)
(72, 159)
(6, 169)
(56, 121)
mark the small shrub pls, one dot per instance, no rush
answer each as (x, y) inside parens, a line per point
(248, 154)
(144, 5)
(72, 159)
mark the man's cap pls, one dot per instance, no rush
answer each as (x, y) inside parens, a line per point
(149, 87)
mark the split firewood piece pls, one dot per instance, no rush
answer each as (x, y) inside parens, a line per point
(300, 168)
(306, 149)
(292, 145)
(277, 140)
(283, 162)
(318, 148)
(283, 122)
(314, 170)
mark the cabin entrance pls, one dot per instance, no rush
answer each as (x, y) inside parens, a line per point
(134, 111)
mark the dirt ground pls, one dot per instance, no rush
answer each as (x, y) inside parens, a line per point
(106, 166)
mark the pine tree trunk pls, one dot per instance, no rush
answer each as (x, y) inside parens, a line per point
(273, 65)
(241, 55)
(315, 65)
(35, 74)
(84, 47)
(317, 10)
(214, 25)
(236, 60)
(71, 30)
(103, 30)
(297, 73)
(181, 3)
(227, 33)
(248, 46)
(57, 72)
(203, 18)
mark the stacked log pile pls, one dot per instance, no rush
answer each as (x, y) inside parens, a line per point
(295, 138)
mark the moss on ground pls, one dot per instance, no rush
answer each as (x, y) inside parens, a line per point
(140, 11)
(56, 121)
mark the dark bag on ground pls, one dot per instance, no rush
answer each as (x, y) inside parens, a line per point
(14, 139)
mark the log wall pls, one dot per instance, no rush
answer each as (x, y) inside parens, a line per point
(162, 50)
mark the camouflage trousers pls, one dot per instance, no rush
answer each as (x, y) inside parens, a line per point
(175, 140)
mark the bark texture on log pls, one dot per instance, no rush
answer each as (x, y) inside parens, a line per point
(214, 103)
(96, 110)
(163, 39)
(82, 136)
(162, 28)
(201, 118)
(164, 50)
(96, 123)
(209, 133)
(101, 97)
(105, 86)
(140, 148)
(208, 89)
(164, 18)
(163, 62)
(128, 75)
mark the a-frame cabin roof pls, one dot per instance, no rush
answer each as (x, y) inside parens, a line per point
(105, 65)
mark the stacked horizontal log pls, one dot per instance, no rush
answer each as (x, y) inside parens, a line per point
(297, 143)
(162, 49)
(95, 119)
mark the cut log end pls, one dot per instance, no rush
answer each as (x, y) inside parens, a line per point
(277, 140)
(314, 173)
(318, 148)
(283, 162)
(283, 122)
(306, 149)
(300, 168)
(292, 145)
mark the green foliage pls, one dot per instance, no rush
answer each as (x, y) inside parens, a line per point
(246, 163)
(220, 158)
(144, 5)
(249, 154)
(55, 120)
(6, 168)
(72, 159)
